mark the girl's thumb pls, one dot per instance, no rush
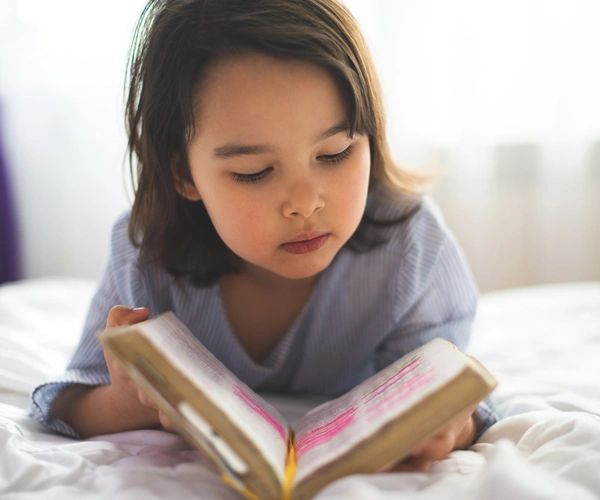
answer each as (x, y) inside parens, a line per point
(122, 315)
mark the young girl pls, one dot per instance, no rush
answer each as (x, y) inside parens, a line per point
(268, 216)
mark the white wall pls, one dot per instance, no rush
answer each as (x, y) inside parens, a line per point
(503, 98)
(61, 71)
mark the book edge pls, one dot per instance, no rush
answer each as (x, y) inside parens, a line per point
(234, 435)
(473, 372)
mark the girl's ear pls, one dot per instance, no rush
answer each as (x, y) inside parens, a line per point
(185, 188)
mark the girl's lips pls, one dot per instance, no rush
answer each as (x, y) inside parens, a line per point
(306, 244)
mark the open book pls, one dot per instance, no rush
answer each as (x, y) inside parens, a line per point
(250, 444)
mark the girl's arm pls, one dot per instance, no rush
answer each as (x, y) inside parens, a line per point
(117, 407)
(92, 411)
(81, 394)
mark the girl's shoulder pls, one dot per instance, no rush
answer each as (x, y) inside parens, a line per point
(420, 254)
(122, 249)
(409, 224)
(416, 248)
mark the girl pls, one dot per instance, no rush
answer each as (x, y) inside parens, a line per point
(268, 216)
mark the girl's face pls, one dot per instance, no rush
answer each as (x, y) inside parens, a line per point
(283, 183)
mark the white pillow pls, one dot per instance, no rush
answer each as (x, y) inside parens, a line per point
(40, 323)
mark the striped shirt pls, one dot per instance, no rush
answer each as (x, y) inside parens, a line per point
(367, 310)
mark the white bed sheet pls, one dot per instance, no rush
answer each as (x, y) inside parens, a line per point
(543, 343)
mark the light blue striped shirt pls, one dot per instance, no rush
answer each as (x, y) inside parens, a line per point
(367, 310)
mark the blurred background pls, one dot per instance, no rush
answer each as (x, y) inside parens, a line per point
(501, 97)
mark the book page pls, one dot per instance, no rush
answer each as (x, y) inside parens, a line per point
(262, 423)
(335, 427)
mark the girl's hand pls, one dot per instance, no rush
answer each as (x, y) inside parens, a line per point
(457, 435)
(122, 387)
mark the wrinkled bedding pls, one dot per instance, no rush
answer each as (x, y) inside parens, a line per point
(543, 344)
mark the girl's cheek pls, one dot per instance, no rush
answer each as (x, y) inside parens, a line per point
(246, 221)
(357, 185)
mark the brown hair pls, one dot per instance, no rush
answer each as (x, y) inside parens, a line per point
(173, 44)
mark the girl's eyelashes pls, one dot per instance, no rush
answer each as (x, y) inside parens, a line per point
(338, 157)
(255, 177)
(258, 176)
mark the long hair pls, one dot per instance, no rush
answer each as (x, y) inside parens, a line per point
(174, 43)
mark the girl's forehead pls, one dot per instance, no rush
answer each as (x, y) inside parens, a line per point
(254, 90)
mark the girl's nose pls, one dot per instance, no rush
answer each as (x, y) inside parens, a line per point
(304, 200)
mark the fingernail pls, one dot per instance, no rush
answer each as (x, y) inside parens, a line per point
(138, 309)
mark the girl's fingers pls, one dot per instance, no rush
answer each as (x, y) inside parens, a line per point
(413, 463)
(146, 400)
(437, 448)
(165, 422)
(162, 417)
(115, 368)
(122, 316)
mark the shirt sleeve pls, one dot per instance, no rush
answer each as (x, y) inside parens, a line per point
(436, 296)
(121, 283)
(486, 415)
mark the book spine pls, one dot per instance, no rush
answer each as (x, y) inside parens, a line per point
(290, 469)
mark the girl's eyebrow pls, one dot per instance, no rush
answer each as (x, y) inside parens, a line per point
(231, 150)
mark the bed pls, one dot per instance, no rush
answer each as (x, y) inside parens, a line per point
(543, 343)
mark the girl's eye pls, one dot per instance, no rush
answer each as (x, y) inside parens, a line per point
(258, 176)
(338, 157)
(255, 177)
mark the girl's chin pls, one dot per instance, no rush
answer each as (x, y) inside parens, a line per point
(292, 267)
(303, 270)
(296, 273)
